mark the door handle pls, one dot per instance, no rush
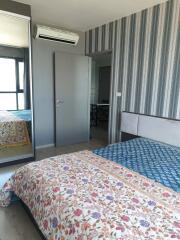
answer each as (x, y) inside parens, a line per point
(58, 101)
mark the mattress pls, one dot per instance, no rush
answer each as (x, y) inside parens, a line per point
(155, 160)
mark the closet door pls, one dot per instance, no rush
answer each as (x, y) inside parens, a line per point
(16, 105)
(72, 98)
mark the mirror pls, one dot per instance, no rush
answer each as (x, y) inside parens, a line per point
(16, 125)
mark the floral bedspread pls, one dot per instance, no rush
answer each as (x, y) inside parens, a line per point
(85, 197)
(13, 130)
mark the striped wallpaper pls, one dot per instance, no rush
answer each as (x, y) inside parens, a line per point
(146, 60)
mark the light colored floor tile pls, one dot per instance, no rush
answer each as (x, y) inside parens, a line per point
(44, 153)
(14, 151)
(16, 225)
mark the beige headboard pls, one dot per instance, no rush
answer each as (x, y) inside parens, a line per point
(159, 129)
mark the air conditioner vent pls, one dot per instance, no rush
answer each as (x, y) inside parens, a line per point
(57, 35)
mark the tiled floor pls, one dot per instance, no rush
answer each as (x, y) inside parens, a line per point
(100, 133)
(10, 152)
(14, 222)
(16, 225)
(43, 153)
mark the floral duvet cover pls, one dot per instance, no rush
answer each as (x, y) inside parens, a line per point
(85, 197)
(13, 130)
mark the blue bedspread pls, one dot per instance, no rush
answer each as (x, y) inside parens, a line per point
(23, 114)
(152, 159)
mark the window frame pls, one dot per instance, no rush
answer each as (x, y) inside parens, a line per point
(18, 90)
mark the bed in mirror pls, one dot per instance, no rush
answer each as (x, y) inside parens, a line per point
(16, 114)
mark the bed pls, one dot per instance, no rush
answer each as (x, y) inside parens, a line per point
(13, 130)
(109, 193)
(26, 116)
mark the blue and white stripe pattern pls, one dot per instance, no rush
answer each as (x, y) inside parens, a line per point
(146, 59)
(152, 159)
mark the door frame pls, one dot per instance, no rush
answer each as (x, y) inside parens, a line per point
(111, 125)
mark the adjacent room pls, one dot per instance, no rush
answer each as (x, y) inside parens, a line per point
(100, 97)
(89, 120)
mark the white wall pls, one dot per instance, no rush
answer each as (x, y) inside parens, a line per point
(43, 85)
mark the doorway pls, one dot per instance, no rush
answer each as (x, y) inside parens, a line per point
(100, 97)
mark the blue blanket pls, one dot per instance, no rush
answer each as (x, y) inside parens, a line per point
(23, 114)
(152, 159)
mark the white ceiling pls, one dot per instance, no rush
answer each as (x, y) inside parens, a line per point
(84, 14)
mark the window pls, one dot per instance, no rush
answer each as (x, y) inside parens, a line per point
(11, 84)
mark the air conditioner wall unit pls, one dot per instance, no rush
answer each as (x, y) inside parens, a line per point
(54, 34)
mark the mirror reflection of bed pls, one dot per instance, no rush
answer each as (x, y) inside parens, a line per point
(15, 128)
(15, 95)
